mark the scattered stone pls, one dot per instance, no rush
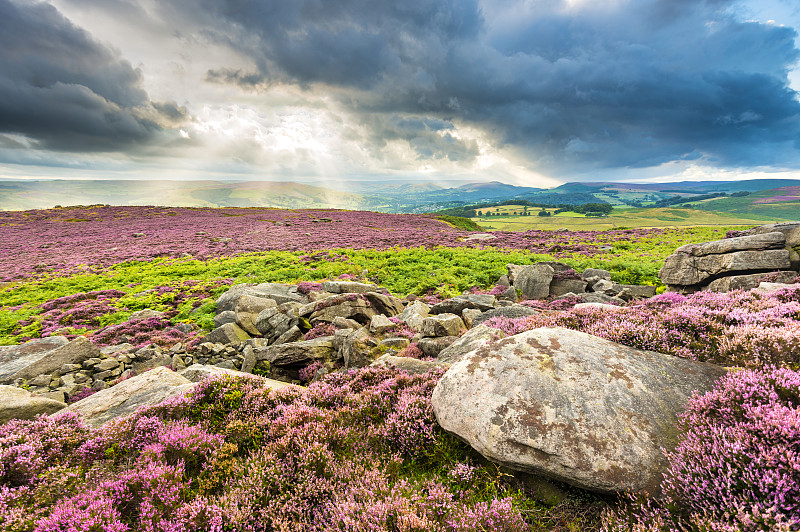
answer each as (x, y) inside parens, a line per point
(414, 314)
(355, 349)
(145, 314)
(272, 323)
(345, 323)
(230, 333)
(249, 362)
(560, 287)
(352, 306)
(291, 335)
(571, 406)
(534, 281)
(384, 303)
(149, 363)
(395, 343)
(379, 324)
(411, 365)
(768, 288)
(225, 364)
(511, 312)
(41, 359)
(468, 315)
(247, 310)
(592, 275)
(442, 325)
(348, 287)
(125, 398)
(604, 306)
(16, 403)
(109, 363)
(748, 282)
(629, 292)
(479, 236)
(297, 353)
(431, 347)
(177, 363)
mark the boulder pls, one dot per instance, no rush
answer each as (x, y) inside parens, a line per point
(629, 292)
(351, 306)
(469, 315)
(686, 270)
(281, 293)
(757, 242)
(222, 318)
(199, 372)
(384, 303)
(534, 281)
(14, 358)
(571, 406)
(790, 230)
(513, 311)
(471, 340)
(291, 335)
(598, 297)
(600, 306)
(297, 353)
(768, 288)
(395, 343)
(272, 323)
(74, 352)
(249, 359)
(442, 325)
(247, 310)
(458, 304)
(16, 403)
(747, 282)
(379, 324)
(149, 388)
(230, 333)
(411, 365)
(354, 348)
(145, 314)
(431, 347)
(348, 287)
(560, 287)
(592, 275)
(414, 314)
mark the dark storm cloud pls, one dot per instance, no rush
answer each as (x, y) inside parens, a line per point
(635, 85)
(63, 90)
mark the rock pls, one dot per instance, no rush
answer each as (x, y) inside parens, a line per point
(272, 323)
(297, 353)
(431, 347)
(458, 304)
(598, 297)
(15, 357)
(42, 358)
(281, 293)
(384, 304)
(348, 287)
(442, 325)
(513, 311)
(249, 362)
(352, 306)
(354, 349)
(534, 281)
(145, 314)
(759, 242)
(247, 310)
(414, 314)
(225, 364)
(592, 275)
(159, 360)
(479, 236)
(16, 403)
(379, 324)
(292, 335)
(604, 306)
(468, 315)
(71, 368)
(471, 340)
(571, 406)
(503, 281)
(557, 266)
(686, 270)
(395, 343)
(747, 282)
(199, 372)
(344, 323)
(768, 288)
(605, 286)
(411, 365)
(57, 396)
(109, 363)
(629, 292)
(230, 333)
(560, 287)
(177, 363)
(125, 398)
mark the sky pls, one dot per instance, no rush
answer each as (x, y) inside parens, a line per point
(528, 92)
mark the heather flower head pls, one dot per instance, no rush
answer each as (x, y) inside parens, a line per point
(319, 330)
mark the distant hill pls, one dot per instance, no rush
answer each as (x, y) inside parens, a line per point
(774, 204)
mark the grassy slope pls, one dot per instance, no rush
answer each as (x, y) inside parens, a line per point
(747, 206)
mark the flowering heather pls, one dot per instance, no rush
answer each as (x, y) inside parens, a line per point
(741, 328)
(52, 241)
(319, 330)
(737, 466)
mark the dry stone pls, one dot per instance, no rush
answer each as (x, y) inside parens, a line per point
(13, 358)
(384, 303)
(16, 403)
(379, 324)
(351, 306)
(442, 325)
(534, 281)
(471, 340)
(230, 333)
(74, 352)
(297, 353)
(571, 406)
(411, 365)
(747, 282)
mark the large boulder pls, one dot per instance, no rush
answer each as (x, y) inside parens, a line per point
(470, 341)
(348, 287)
(33, 365)
(414, 314)
(534, 281)
(354, 348)
(442, 325)
(297, 353)
(571, 406)
(14, 358)
(16, 403)
(149, 388)
(280, 293)
(230, 333)
(559, 287)
(384, 303)
(352, 306)
(747, 282)
(458, 304)
(247, 310)
(199, 372)
(272, 323)
(411, 365)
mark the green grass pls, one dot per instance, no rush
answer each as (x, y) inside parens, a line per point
(459, 222)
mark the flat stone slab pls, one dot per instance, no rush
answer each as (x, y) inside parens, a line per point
(571, 406)
(773, 240)
(199, 372)
(687, 270)
(16, 403)
(74, 352)
(13, 358)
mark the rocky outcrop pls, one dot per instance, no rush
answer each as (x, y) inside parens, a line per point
(75, 352)
(748, 282)
(571, 406)
(761, 250)
(16, 403)
(125, 398)
(14, 358)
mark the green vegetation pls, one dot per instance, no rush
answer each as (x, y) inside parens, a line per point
(459, 222)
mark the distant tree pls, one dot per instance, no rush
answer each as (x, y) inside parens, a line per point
(480, 213)
(544, 213)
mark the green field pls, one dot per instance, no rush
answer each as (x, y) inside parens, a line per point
(620, 218)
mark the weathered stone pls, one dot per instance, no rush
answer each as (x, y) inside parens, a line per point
(16, 403)
(629, 292)
(247, 310)
(355, 350)
(339, 337)
(598, 297)
(15, 357)
(468, 315)
(503, 281)
(292, 335)
(592, 275)
(41, 380)
(471, 340)
(281, 293)
(230, 333)
(344, 323)
(146, 314)
(560, 287)
(348, 287)
(603, 306)
(512, 311)
(272, 323)
(384, 303)
(431, 347)
(379, 324)
(177, 363)
(686, 269)
(414, 314)
(571, 406)
(297, 353)
(768, 288)
(395, 343)
(442, 325)
(411, 365)
(759, 242)
(40, 359)
(69, 368)
(249, 362)
(57, 396)
(352, 306)
(747, 282)
(605, 286)
(109, 363)
(152, 362)
(458, 304)
(318, 296)
(225, 364)
(479, 236)
(149, 388)
(790, 230)
(534, 281)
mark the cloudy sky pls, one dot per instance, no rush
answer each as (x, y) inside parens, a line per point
(532, 92)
